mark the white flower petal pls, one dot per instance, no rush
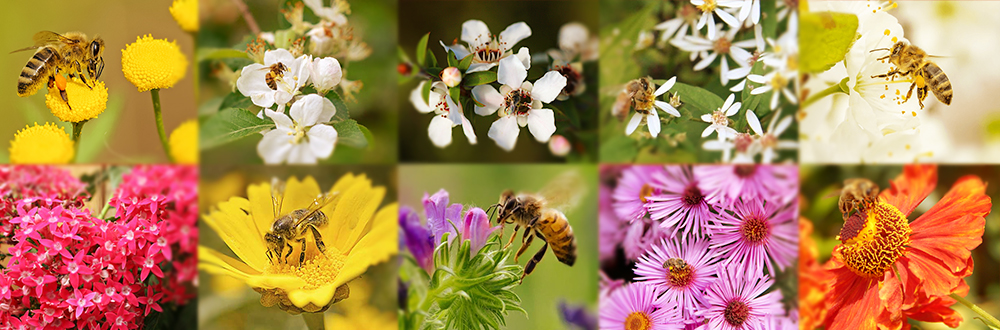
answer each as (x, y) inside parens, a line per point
(280, 119)
(489, 97)
(541, 124)
(706, 61)
(727, 17)
(782, 126)
(666, 86)
(278, 55)
(633, 123)
(301, 154)
(706, 118)
(417, 99)
(653, 123)
(514, 34)
(708, 131)
(307, 109)
(728, 103)
(467, 129)
(504, 131)
(524, 55)
(733, 109)
(474, 29)
(512, 72)
(275, 146)
(322, 138)
(476, 67)
(666, 107)
(548, 87)
(754, 122)
(439, 131)
(459, 50)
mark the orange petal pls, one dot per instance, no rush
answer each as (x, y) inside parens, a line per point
(936, 309)
(926, 274)
(890, 294)
(854, 300)
(911, 187)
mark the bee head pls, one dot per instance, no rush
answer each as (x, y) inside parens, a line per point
(95, 52)
(273, 240)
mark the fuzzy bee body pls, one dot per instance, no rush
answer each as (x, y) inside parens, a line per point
(72, 53)
(912, 61)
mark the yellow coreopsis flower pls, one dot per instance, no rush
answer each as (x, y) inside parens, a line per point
(84, 103)
(184, 143)
(41, 144)
(185, 12)
(358, 235)
(153, 63)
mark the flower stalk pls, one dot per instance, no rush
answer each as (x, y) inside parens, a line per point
(837, 88)
(77, 130)
(314, 321)
(990, 321)
(159, 123)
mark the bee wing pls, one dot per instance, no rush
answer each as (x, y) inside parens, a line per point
(564, 191)
(43, 38)
(318, 204)
(277, 196)
(834, 193)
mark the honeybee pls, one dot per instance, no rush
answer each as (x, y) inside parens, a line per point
(295, 225)
(858, 193)
(912, 61)
(72, 53)
(642, 92)
(541, 217)
(277, 71)
(674, 264)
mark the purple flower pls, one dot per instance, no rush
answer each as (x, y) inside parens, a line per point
(612, 230)
(726, 183)
(684, 269)
(737, 300)
(577, 316)
(756, 232)
(476, 228)
(639, 306)
(681, 203)
(440, 215)
(417, 239)
(632, 190)
(640, 235)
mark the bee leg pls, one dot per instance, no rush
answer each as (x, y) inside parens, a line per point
(82, 76)
(921, 95)
(525, 243)
(319, 240)
(512, 236)
(910, 92)
(302, 255)
(290, 248)
(530, 267)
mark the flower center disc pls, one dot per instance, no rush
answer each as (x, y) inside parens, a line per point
(518, 102)
(708, 6)
(645, 192)
(722, 45)
(743, 142)
(693, 195)
(573, 78)
(745, 171)
(871, 247)
(638, 321)
(754, 229)
(680, 272)
(736, 313)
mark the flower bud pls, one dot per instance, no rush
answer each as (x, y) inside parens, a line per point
(326, 74)
(451, 76)
(559, 145)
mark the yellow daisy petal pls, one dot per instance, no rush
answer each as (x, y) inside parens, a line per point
(299, 194)
(153, 63)
(231, 221)
(217, 263)
(375, 247)
(184, 143)
(84, 103)
(354, 211)
(41, 144)
(261, 208)
(185, 12)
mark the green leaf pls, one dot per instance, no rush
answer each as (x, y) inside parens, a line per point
(426, 92)
(696, 99)
(479, 78)
(431, 58)
(343, 113)
(825, 38)
(452, 59)
(205, 54)
(402, 54)
(455, 93)
(236, 100)
(422, 49)
(230, 125)
(618, 149)
(350, 134)
(769, 23)
(466, 63)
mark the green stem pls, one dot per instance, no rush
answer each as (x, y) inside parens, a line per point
(837, 88)
(986, 317)
(159, 123)
(77, 129)
(429, 300)
(107, 207)
(314, 321)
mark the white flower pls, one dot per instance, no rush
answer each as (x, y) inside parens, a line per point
(768, 140)
(488, 49)
(293, 73)
(687, 16)
(575, 39)
(451, 76)
(649, 114)
(710, 49)
(743, 145)
(520, 103)
(751, 9)
(644, 40)
(447, 114)
(708, 7)
(719, 120)
(321, 39)
(775, 81)
(334, 13)
(326, 74)
(303, 138)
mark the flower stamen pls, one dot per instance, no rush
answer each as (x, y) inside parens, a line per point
(874, 242)
(638, 321)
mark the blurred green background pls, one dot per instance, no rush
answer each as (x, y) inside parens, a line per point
(443, 19)
(374, 22)
(126, 131)
(679, 140)
(552, 281)
(227, 303)
(820, 194)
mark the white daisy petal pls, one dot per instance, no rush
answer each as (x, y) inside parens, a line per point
(754, 122)
(666, 107)
(633, 123)
(653, 123)
(666, 86)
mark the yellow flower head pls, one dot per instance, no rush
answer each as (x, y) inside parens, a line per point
(153, 63)
(185, 12)
(184, 143)
(84, 103)
(41, 144)
(357, 235)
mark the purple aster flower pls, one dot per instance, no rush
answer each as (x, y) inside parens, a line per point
(577, 316)
(756, 232)
(681, 203)
(640, 235)
(632, 190)
(638, 306)
(476, 228)
(612, 230)
(781, 323)
(737, 300)
(440, 215)
(417, 239)
(684, 269)
(725, 183)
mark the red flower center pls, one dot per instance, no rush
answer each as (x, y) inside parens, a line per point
(680, 272)
(638, 321)
(744, 171)
(693, 195)
(754, 229)
(872, 244)
(736, 313)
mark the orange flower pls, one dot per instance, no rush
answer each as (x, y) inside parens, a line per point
(889, 269)
(814, 281)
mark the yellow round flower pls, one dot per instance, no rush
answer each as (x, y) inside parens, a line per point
(41, 144)
(358, 234)
(153, 63)
(185, 12)
(84, 103)
(184, 143)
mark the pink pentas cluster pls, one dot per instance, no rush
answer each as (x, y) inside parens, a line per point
(70, 269)
(697, 247)
(44, 183)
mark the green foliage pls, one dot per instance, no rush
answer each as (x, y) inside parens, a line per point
(825, 38)
(229, 125)
(466, 290)
(422, 50)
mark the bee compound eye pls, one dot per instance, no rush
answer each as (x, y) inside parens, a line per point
(95, 48)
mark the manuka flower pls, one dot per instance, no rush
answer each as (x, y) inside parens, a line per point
(639, 306)
(648, 114)
(304, 138)
(359, 234)
(889, 269)
(41, 144)
(447, 114)
(681, 203)
(683, 268)
(85, 103)
(153, 63)
(520, 103)
(487, 49)
(737, 300)
(758, 233)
